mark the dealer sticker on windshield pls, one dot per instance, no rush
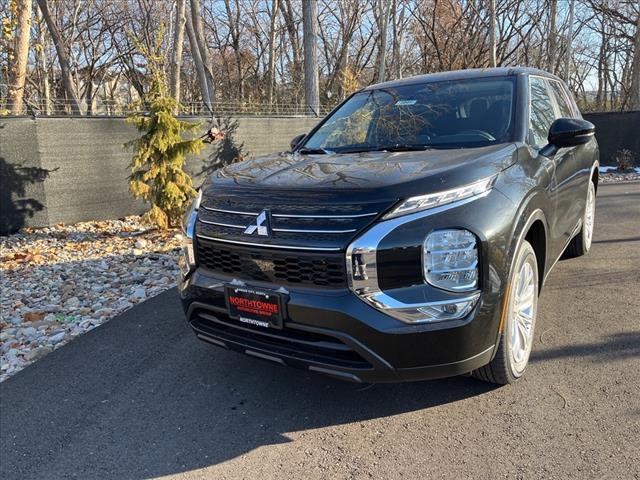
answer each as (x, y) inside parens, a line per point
(404, 103)
(255, 307)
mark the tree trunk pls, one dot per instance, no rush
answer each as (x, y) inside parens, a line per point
(89, 96)
(19, 77)
(569, 53)
(397, 40)
(63, 59)
(552, 42)
(271, 76)
(292, 29)
(43, 75)
(202, 46)
(197, 60)
(634, 103)
(234, 33)
(492, 32)
(311, 73)
(176, 54)
(383, 8)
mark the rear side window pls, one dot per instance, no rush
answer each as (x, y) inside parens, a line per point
(561, 99)
(542, 113)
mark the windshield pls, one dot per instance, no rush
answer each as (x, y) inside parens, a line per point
(449, 114)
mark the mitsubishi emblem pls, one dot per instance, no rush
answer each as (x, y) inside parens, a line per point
(261, 225)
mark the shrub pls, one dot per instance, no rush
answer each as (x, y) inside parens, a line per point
(157, 168)
(624, 159)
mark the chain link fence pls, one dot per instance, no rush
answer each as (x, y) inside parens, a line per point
(62, 107)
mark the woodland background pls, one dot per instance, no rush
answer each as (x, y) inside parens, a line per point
(86, 57)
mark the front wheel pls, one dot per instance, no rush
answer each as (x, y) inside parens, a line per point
(516, 338)
(581, 243)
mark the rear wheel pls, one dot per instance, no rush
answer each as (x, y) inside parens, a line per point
(516, 338)
(581, 243)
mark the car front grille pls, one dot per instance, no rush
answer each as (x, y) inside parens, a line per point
(281, 268)
(310, 226)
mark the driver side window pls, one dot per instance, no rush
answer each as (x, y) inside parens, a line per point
(542, 112)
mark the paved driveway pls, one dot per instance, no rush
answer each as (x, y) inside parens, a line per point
(140, 397)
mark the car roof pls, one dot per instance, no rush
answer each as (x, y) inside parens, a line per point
(463, 75)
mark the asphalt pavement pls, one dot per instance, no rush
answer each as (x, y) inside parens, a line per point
(140, 397)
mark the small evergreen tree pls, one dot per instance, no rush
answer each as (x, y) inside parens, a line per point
(157, 168)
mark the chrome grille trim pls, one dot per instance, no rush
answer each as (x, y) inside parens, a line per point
(284, 215)
(283, 230)
(294, 230)
(218, 224)
(232, 212)
(330, 217)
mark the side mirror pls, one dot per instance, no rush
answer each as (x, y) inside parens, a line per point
(568, 132)
(296, 140)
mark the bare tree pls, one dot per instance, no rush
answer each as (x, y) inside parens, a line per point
(63, 58)
(567, 57)
(199, 64)
(382, 10)
(233, 19)
(291, 24)
(176, 52)
(635, 70)
(42, 64)
(398, 16)
(257, 50)
(311, 72)
(19, 74)
(492, 32)
(271, 72)
(198, 34)
(552, 41)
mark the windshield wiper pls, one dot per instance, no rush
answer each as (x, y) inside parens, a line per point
(388, 148)
(313, 151)
(405, 148)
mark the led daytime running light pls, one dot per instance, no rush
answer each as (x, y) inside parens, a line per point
(432, 200)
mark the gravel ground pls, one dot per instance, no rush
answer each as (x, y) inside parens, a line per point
(612, 175)
(62, 281)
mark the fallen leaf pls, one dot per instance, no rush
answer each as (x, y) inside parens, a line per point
(33, 316)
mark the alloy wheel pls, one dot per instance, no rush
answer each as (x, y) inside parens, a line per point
(589, 216)
(522, 316)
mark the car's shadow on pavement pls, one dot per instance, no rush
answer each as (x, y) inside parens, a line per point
(140, 397)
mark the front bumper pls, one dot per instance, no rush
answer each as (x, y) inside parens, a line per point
(334, 332)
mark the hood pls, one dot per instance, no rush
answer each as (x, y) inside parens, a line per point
(388, 174)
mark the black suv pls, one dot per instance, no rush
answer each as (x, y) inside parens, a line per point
(406, 237)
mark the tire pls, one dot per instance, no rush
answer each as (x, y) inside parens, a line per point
(581, 243)
(516, 339)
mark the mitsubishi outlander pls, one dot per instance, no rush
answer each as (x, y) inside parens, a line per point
(406, 237)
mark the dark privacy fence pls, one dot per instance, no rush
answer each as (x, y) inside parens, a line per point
(73, 169)
(616, 131)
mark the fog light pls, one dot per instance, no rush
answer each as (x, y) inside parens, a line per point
(450, 260)
(437, 311)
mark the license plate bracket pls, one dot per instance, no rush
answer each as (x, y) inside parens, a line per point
(262, 308)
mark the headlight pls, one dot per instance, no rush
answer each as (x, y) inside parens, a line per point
(187, 261)
(432, 200)
(450, 260)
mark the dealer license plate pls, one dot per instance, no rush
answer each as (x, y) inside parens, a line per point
(255, 307)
